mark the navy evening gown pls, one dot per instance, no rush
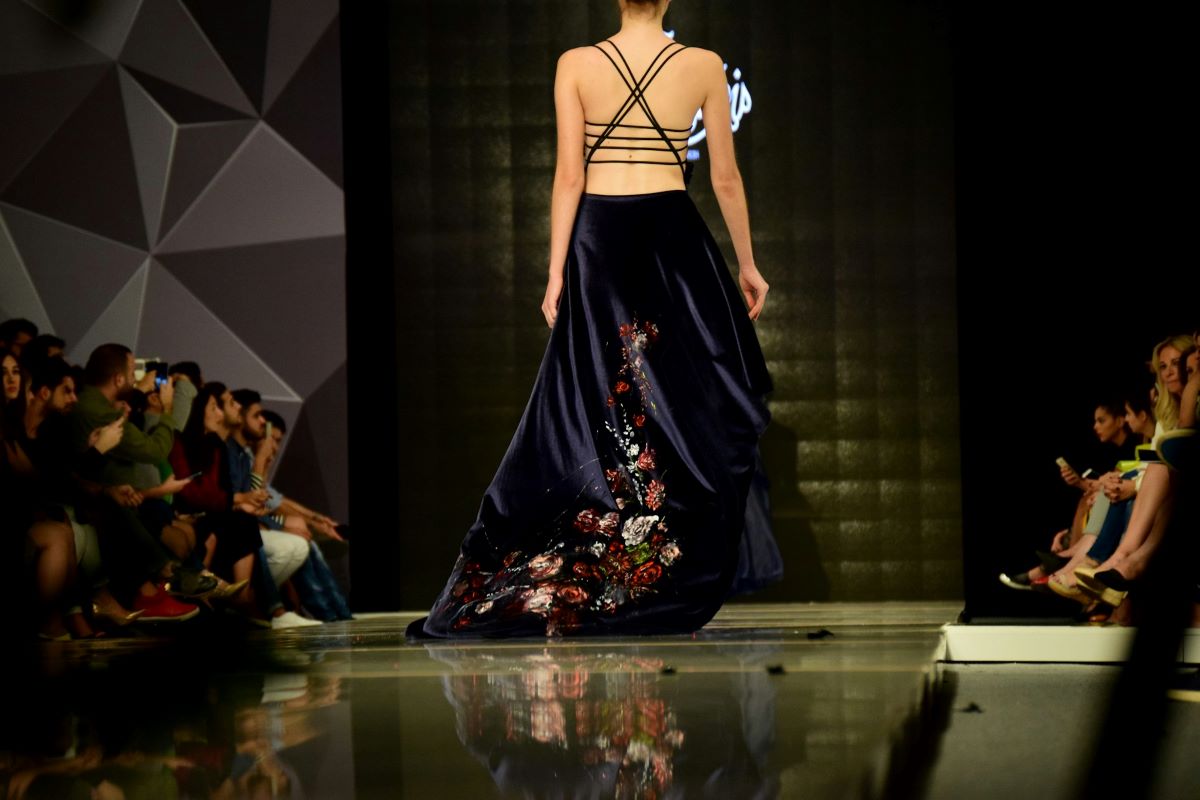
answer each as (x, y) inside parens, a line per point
(631, 499)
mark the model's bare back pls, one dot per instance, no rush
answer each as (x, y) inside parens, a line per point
(673, 97)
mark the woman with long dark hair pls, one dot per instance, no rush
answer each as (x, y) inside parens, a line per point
(621, 505)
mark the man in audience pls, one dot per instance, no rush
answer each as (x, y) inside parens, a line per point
(251, 452)
(46, 345)
(15, 334)
(134, 550)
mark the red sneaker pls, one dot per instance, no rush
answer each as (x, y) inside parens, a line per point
(161, 607)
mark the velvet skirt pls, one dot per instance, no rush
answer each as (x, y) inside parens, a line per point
(631, 498)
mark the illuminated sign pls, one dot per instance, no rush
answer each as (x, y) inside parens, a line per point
(740, 104)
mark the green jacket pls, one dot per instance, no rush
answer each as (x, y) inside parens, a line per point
(94, 411)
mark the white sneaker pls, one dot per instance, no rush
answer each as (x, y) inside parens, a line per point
(290, 619)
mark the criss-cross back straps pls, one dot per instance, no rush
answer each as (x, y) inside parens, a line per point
(636, 95)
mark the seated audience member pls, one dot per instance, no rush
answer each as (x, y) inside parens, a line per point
(1109, 425)
(130, 550)
(251, 452)
(15, 334)
(46, 345)
(63, 554)
(11, 376)
(231, 517)
(1111, 580)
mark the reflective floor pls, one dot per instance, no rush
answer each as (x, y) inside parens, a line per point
(809, 701)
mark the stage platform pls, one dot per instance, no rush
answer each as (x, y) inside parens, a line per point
(812, 700)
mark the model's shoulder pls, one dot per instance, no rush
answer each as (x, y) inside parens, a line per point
(574, 55)
(707, 57)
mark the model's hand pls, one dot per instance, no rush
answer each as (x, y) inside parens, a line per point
(754, 288)
(550, 301)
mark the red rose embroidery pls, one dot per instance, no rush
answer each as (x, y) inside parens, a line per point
(460, 623)
(587, 520)
(611, 402)
(639, 420)
(511, 558)
(587, 571)
(646, 459)
(616, 546)
(472, 566)
(656, 492)
(459, 588)
(647, 573)
(626, 329)
(621, 387)
(572, 594)
(616, 480)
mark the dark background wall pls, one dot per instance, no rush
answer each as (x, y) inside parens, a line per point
(1069, 257)
(171, 178)
(847, 156)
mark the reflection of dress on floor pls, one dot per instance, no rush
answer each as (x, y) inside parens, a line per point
(621, 502)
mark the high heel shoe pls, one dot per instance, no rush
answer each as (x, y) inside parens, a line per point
(1070, 592)
(229, 590)
(114, 619)
(1110, 586)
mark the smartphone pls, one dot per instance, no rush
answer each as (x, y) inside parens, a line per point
(270, 428)
(1062, 462)
(193, 476)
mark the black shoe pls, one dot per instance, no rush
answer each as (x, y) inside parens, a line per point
(1115, 580)
(1051, 562)
(1020, 581)
(190, 582)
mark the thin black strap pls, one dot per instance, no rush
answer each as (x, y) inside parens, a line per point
(625, 107)
(636, 93)
(641, 89)
(637, 90)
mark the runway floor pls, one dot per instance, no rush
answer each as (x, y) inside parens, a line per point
(813, 701)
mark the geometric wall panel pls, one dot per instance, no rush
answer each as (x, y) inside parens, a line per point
(59, 256)
(104, 24)
(267, 192)
(178, 327)
(84, 175)
(18, 297)
(41, 101)
(295, 28)
(307, 113)
(117, 323)
(30, 42)
(181, 105)
(319, 447)
(237, 29)
(200, 152)
(152, 135)
(236, 283)
(166, 43)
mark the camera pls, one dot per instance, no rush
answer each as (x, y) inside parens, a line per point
(144, 365)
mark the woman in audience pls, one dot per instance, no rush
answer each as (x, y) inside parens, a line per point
(1109, 425)
(231, 537)
(229, 527)
(1111, 580)
(10, 375)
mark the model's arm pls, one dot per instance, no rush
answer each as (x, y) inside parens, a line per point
(727, 180)
(568, 178)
